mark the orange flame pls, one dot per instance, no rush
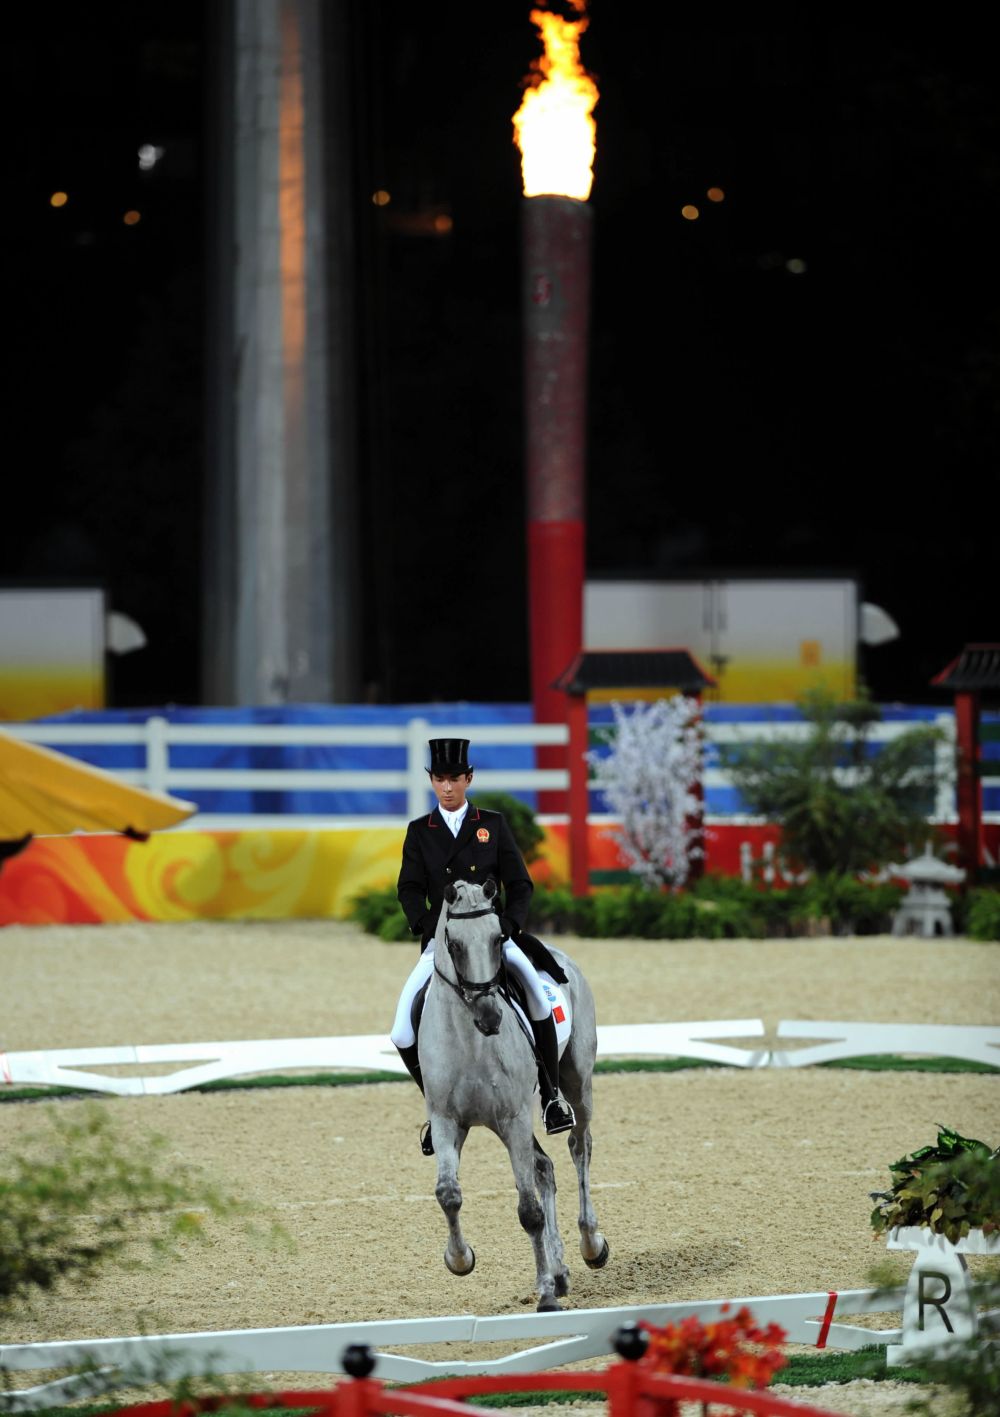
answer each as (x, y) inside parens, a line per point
(554, 128)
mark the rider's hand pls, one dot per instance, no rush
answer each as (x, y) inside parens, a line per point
(511, 929)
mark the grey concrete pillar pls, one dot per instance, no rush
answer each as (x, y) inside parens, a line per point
(280, 569)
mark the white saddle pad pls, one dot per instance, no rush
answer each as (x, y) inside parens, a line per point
(561, 1011)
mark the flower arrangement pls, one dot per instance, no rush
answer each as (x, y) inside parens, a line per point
(950, 1188)
(732, 1350)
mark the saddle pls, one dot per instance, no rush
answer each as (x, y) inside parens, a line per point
(541, 957)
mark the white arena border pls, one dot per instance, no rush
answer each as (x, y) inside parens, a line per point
(568, 1336)
(212, 1062)
(362, 1052)
(855, 1040)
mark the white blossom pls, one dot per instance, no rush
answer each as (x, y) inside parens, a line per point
(648, 780)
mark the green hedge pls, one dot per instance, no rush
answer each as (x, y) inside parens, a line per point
(982, 915)
(719, 908)
(715, 908)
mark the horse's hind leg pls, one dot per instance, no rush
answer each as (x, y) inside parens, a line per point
(545, 1182)
(539, 1226)
(593, 1246)
(449, 1139)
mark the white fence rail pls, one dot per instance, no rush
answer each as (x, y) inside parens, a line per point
(553, 1339)
(158, 737)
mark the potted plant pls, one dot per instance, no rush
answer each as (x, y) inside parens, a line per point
(944, 1203)
(951, 1189)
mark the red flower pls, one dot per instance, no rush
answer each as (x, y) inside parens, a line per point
(732, 1350)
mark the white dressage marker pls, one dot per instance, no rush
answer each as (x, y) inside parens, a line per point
(565, 1336)
(855, 1040)
(372, 1052)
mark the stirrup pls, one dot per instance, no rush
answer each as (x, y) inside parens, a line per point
(426, 1140)
(557, 1116)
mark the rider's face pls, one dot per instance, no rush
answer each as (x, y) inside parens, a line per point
(450, 791)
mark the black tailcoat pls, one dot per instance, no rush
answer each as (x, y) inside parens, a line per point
(484, 850)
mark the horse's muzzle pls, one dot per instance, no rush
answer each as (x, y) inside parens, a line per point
(487, 1015)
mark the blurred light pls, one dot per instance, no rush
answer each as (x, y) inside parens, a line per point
(690, 213)
(131, 218)
(443, 223)
(149, 156)
(58, 199)
(796, 266)
(381, 198)
(715, 194)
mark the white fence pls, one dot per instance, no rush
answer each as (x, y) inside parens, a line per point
(158, 737)
(553, 1339)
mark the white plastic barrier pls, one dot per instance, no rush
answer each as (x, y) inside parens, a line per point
(372, 1052)
(555, 1339)
(64, 1067)
(855, 1040)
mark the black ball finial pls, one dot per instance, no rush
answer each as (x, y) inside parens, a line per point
(358, 1360)
(630, 1342)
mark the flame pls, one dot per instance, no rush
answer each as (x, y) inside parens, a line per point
(554, 128)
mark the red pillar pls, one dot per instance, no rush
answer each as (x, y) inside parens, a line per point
(968, 788)
(579, 793)
(556, 247)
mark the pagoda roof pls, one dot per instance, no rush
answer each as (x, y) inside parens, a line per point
(976, 669)
(634, 669)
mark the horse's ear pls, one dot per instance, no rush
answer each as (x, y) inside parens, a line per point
(450, 894)
(490, 888)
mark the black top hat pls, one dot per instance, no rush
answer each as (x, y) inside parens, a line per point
(449, 756)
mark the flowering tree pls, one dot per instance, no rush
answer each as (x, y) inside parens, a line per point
(648, 780)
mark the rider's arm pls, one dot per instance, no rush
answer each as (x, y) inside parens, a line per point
(517, 883)
(412, 885)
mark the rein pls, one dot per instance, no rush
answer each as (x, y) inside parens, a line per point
(466, 987)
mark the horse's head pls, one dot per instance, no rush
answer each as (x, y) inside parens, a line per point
(473, 940)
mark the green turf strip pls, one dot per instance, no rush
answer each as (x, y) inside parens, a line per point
(875, 1063)
(890, 1063)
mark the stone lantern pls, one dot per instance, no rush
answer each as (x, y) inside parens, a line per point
(925, 909)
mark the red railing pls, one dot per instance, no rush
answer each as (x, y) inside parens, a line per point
(630, 1390)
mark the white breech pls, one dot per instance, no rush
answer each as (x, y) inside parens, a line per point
(518, 963)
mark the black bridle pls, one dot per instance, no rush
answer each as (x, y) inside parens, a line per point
(469, 990)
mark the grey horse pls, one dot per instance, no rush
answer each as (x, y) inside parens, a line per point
(479, 1069)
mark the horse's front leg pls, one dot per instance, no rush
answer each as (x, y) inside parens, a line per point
(520, 1143)
(449, 1138)
(545, 1181)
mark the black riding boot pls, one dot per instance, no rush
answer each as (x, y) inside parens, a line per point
(557, 1114)
(409, 1057)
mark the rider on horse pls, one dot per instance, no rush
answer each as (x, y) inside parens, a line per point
(461, 842)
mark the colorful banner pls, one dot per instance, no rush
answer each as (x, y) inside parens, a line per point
(274, 875)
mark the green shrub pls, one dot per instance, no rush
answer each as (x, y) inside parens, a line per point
(982, 915)
(379, 912)
(520, 818)
(78, 1195)
(714, 908)
(851, 906)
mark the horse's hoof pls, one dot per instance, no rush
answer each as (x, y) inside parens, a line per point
(548, 1305)
(461, 1272)
(601, 1259)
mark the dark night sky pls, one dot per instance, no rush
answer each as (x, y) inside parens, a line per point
(743, 416)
